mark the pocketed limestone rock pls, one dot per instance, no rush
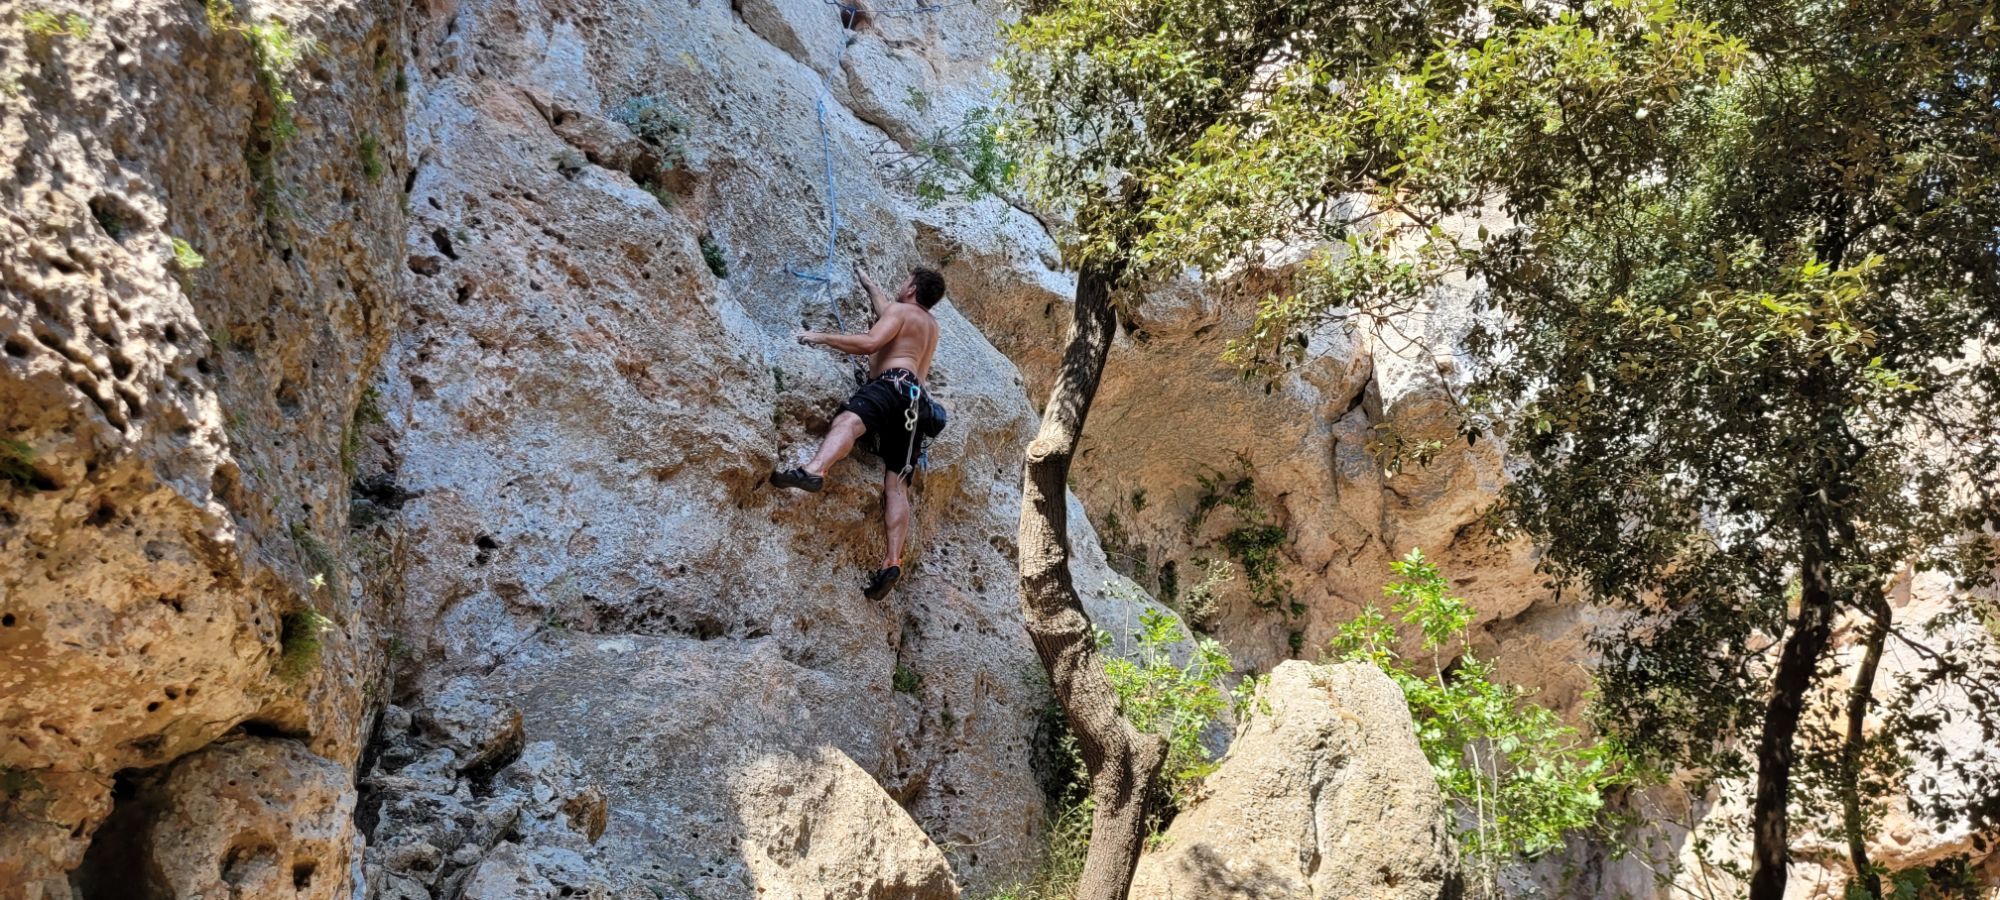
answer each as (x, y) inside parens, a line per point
(248, 819)
(1326, 795)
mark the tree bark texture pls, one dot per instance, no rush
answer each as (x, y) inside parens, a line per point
(1123, 762)
(1859, 698)
(1798, 663)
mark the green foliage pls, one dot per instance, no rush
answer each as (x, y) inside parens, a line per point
(1068, 835)
(277, 52)
(906, 680)
(45, 24)
(1952, 878)
(965, 160)
(17, 464)
(1527, 780)
(370, 151)
(300, 641)
(185, 256)
(1198, 603)
(655, 122)
(1259, 549)
(711, 253)
(1178, 701)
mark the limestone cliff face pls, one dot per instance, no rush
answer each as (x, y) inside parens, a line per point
(485, 373)
(172, 492)
(595, 375)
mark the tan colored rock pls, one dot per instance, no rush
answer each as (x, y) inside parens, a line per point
(818, 828)
(183, 426)
(251, 819)
(1325, 796)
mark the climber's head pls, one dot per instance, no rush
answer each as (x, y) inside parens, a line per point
(925, 288)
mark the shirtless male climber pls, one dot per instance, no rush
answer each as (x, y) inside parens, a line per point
(891, 410)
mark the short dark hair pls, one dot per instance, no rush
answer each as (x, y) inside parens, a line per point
(930, 286)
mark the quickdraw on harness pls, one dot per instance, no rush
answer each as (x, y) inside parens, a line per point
(911, 419)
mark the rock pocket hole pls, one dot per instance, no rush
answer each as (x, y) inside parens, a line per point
(16, 347)
(288, 398)
(114, 864)
(302, 874)
(115, 216)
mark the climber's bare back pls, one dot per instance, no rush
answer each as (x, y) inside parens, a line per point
(912, 345)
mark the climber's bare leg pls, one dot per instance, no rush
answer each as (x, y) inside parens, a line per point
(847, 428)
(895, 516)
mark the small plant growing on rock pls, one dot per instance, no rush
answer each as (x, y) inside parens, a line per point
(657, 124)
(17, 463)
(300, 640)
(370, 151)
(711, 253)
(1525, 779)
(1177, 701)
(965, 160)
(42, 23)
(906, 680)
(185, 256)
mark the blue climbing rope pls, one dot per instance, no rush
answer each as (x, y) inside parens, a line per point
(850, 12)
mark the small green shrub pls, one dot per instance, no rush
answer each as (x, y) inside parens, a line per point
(42, 23)
(1525, 779)
(1177, 702)
(17, 463)
(299, 642)
(906, 680)
(656, 123)
(711, 253)
(1258, 548)
(1198, 604)
(277, 51)
(1068, 834)
(185, 256)
(370, 151)
(965, 160)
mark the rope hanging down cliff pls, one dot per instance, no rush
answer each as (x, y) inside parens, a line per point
(850, 15)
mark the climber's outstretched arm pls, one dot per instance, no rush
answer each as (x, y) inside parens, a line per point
(885, 330)
(876, 297)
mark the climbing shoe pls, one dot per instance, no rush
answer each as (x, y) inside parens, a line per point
(880, 583)
(798, 478)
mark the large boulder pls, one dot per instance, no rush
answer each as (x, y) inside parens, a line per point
(249, 818)
(1325, 795)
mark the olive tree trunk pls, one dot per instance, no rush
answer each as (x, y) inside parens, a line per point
(1798, 664)
(1859, 698)
(1123, 762)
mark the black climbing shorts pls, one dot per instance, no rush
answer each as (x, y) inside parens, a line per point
(884, 407)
